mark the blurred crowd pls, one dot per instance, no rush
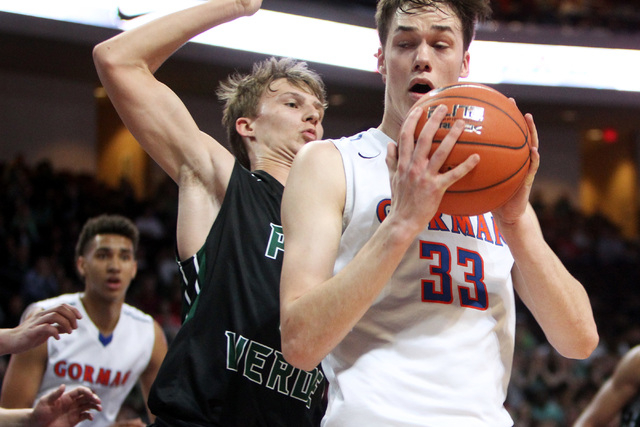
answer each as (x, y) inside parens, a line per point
(615, 15)
(547, 390)
(41, 214)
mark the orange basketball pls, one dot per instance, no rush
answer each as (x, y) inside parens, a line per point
(496, 130)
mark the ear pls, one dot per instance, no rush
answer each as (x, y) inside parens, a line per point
(244, 127)
(464, 68)
(382, 67)
(80, 265)
(135, 270)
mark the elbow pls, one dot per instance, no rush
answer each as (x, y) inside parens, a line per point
(582, 347)
(591, 341)
(298, 359)
(104, 57)
(297, 352)
(99, 53)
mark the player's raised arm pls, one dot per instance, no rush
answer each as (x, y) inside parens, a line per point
(160, 121)
(151, 111)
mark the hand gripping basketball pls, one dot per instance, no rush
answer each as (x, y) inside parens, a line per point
(496, 130)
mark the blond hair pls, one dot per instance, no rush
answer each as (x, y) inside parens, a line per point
(241, 94)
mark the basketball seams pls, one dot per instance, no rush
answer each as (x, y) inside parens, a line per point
(483, 144)
(495, 184)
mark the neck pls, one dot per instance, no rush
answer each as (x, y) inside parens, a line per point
(103, 314)
(278, 170)
(391, 122)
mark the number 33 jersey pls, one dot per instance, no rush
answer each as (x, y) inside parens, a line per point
(436, 347)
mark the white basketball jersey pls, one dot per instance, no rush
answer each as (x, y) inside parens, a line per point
(110, 366)
(436, 347)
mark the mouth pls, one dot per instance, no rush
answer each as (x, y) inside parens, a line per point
(113, 282)
(420, 88)
(309, 135)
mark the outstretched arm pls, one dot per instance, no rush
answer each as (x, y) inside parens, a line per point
(615, 393)
(159, 120)
(317, 308)
(557, 300)
(38, 327)
(25, 371)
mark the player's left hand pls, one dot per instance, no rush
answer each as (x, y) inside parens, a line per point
(515, 207)
(60, 409)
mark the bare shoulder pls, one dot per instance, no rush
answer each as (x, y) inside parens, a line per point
(318, 160)
(627, 371)
(632, 360)
(317, 173)
(317, 151)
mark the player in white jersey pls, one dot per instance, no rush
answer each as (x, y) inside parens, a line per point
(476, 339)
(114, 346)
(413, 311)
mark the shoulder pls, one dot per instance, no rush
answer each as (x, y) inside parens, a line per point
(632, 358)
(136, 315)
(322, 153)
(628, 369)
(71, 299)
(316, 165)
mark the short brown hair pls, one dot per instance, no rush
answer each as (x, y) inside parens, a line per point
(241, 94)
(469, 12)
(107, 224)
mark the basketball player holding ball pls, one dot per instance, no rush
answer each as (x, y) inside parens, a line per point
(412, 312)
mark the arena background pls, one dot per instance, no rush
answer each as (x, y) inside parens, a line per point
(64, 156)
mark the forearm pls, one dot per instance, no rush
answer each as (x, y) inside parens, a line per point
(5, 342)
(15, 417)
(557, 300)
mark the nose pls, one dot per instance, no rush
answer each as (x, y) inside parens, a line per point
(114, 264)
(422, 60)
(313, 116)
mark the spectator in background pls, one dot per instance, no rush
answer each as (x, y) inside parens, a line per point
(40, 281)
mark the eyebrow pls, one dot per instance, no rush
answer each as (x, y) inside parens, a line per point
(111, 249)
(437, 27)
(317, 104)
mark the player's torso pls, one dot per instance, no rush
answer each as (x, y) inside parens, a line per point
(108, 365)
(443, 324)
(225, 366)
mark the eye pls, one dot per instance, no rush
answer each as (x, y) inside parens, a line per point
(291, 104)
(405, 44)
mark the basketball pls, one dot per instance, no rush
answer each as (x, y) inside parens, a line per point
(496, 130)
